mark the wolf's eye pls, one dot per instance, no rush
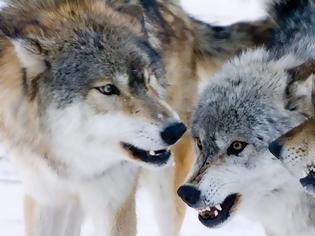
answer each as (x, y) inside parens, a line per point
(108, 89)
(199, 143)
(236, 148)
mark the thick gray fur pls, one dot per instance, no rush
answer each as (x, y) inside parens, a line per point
(251, 100)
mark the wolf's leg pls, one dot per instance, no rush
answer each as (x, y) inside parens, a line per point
(120, 221)
(110, 219)
(126, 223)
(51, 221)
(160, 184)
(110, 201)
(163, 185)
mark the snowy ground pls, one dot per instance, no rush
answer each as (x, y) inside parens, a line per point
(11, 223)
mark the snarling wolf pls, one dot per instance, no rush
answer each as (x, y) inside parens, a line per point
(255, 98)
(84, 104)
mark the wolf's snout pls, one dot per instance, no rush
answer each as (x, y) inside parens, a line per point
(172, 133)
(275, 148)
(189, 194)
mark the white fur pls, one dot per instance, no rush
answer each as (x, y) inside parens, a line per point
(269, 194)
(102, 198)
(160, 185)
(68, 218)
(98, 137)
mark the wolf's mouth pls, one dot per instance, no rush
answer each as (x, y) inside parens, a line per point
(216, 215)
(155, 157)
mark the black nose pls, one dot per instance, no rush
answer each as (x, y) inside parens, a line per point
(173, 133)
(189, 194)
(275, 148)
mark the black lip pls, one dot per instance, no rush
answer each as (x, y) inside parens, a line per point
(142, 155)
(227, 206)
(309, 180)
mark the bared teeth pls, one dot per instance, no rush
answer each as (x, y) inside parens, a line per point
(203, 210)
(210, 211)
(152, 153)
(219, 208)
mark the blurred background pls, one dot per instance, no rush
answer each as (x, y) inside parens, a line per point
(219, 12)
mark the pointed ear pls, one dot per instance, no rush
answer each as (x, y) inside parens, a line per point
(300, 88)
(29, 56)
(22, 34)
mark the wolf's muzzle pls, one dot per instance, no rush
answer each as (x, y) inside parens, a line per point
(172, 133)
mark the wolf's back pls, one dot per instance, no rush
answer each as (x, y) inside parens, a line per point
(296, 28)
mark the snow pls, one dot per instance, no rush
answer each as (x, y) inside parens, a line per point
(11, 191)
(224, 12)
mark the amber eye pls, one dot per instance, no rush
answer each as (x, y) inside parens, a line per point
(108, 90)
(199, 143)
(236, 148)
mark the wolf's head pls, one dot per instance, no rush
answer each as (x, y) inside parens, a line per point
(97, 82)
(296, 149)
(246, 106)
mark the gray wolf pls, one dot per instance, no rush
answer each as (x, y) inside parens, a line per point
(191, 52)
(255, 98)
(81, 111)
(85, 104)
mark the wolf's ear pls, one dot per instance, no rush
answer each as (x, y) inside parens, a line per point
(23, 33)
(301, 87)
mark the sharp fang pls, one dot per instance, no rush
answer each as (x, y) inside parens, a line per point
(216, 213)
(152, 153)
(219, 208)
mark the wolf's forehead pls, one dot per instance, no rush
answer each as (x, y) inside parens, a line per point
(224, 106)
(98, 57)
(225, 113)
